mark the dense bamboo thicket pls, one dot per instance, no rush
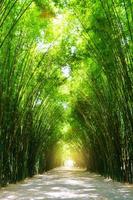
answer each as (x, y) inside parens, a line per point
(66, 75)
(28, 112)
(105, 111)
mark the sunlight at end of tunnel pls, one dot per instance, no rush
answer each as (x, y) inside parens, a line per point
(67, 156)
(69, 163)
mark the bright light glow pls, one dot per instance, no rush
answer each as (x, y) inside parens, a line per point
(69, 163)
(58, 19)
(42, 33)
(40, 46)
(66, 71)
(65, 105)
(73, 50)
(44, 47)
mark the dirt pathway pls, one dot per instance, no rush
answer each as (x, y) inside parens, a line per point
(67, 184)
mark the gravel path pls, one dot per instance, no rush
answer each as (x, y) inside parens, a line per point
(65, 184)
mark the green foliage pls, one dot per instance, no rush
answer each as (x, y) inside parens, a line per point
(105, 113)
(28, 108)
(65, 78)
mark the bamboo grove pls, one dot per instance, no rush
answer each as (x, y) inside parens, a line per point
(66, 63)
(27, 112)
(105, 110)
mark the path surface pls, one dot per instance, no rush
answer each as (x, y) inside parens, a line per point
(67, 184)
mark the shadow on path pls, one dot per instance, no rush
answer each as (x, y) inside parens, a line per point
(64, 184)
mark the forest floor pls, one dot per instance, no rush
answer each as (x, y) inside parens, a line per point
(63, 183)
